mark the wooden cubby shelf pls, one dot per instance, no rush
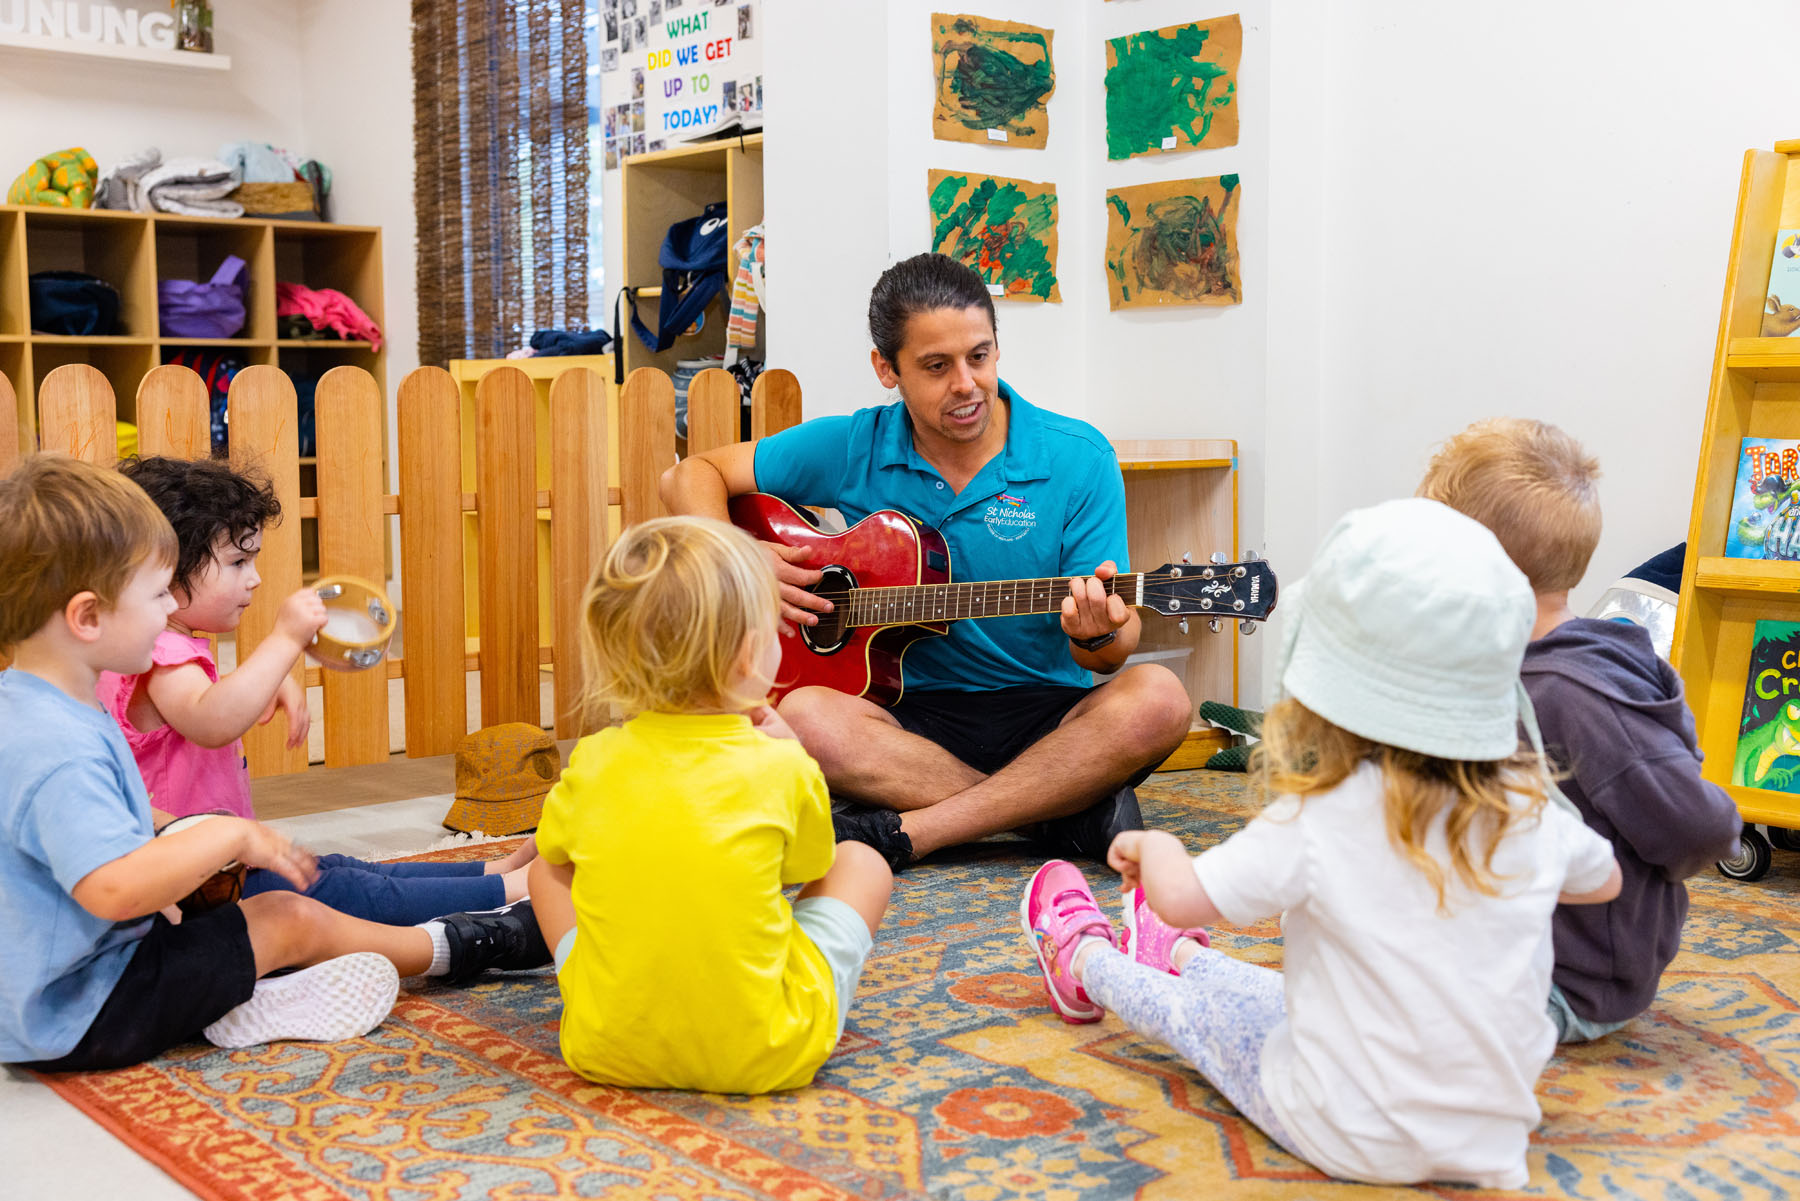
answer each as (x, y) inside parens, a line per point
(672, 185)
(132, 251)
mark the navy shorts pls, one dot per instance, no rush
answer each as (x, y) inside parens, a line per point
(988, 730)
(180, 980)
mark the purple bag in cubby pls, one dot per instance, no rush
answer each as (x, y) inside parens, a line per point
(212, 309)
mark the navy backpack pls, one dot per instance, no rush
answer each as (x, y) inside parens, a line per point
(693, 260)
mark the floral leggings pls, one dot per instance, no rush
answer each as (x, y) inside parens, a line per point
(1217, 1014)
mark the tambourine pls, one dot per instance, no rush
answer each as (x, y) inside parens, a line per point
(359, 623)
(222, 887)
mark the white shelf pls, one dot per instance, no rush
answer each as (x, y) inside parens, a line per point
(137, 54)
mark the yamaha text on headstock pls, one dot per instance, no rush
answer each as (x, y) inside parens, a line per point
(888, 578)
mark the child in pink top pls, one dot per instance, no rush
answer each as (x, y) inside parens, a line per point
(183, 777)
(185, 722)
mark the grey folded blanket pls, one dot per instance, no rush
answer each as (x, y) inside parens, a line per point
(187, 186)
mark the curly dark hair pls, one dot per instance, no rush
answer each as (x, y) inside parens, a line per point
(204, 498)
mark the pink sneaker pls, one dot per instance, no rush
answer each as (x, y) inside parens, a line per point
(1057, 911)
(1148, 938)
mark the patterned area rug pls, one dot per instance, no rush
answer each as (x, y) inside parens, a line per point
(955, 1080)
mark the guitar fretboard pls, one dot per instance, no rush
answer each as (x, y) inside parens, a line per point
(981, 598)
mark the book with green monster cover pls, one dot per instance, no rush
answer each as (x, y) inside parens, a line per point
(1768, 746)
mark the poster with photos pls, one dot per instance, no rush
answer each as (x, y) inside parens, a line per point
(672, 71)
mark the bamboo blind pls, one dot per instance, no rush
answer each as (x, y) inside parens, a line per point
(500, 125)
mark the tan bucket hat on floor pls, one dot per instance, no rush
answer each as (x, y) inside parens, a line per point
(502, 774)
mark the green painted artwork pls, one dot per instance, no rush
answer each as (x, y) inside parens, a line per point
(994, 80)
(1173, 243)
(1173, 89)
(1003, 228)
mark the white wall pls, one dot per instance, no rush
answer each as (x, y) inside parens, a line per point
(116, 108)
(825, 191)
(1521, 209)
(357, 106)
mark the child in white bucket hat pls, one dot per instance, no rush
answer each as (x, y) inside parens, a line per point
(1413, 857)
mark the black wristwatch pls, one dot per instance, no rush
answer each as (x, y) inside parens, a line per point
(1095, 643)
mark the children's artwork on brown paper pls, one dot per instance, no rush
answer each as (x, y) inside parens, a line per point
(1003, 229)
(1173, 89)
(994, 81)
(1173, 243)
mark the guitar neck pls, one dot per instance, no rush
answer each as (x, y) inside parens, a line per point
(980, 598)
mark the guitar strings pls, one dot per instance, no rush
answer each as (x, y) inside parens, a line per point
(1017, 585)
(865, 606)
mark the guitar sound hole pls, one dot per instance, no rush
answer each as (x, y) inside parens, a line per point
(830, 635)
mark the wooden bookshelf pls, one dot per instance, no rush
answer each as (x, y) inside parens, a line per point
(1755, 392)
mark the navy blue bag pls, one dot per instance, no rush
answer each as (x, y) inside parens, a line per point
(693, 260)
(73, 304)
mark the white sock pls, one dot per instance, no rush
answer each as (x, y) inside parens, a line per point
(440, 948)
(1096, 940)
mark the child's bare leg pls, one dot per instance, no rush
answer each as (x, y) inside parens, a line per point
(860, 878)
(517, 883)
(289, 930)
(552, 899)
(524, 854)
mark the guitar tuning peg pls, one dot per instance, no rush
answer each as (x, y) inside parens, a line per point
(1251, 556)
(1248, 627)
(1187, 556)
(1218, 556)
(1183, 624)
(1212, 623)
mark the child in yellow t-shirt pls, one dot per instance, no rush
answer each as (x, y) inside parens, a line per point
(664, 847)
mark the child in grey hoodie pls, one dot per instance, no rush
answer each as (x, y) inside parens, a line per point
(1613, 718)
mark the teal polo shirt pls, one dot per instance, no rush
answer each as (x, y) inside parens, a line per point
(1051, 503)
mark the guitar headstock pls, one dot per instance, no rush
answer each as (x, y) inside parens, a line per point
(1240, 591)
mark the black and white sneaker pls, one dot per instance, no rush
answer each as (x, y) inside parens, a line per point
(879, 828)
(1090, 833)
(506, 939)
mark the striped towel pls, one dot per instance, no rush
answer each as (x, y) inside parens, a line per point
(746, 293)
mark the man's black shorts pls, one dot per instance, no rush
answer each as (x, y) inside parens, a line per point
(988, 730)
(180, 980)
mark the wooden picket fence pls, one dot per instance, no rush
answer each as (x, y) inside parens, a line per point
(77, 415)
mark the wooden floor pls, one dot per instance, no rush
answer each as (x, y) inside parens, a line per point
(321, 789)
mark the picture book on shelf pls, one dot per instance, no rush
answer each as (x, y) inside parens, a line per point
(1768, 745)
(1765, 501)
(1781, 311)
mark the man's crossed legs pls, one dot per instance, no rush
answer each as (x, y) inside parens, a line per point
(955, 767)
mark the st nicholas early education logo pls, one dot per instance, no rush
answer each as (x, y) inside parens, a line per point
(1010, 518)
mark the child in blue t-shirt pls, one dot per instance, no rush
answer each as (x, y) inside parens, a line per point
(91, 974)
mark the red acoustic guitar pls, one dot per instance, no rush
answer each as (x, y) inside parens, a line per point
(888, 578)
